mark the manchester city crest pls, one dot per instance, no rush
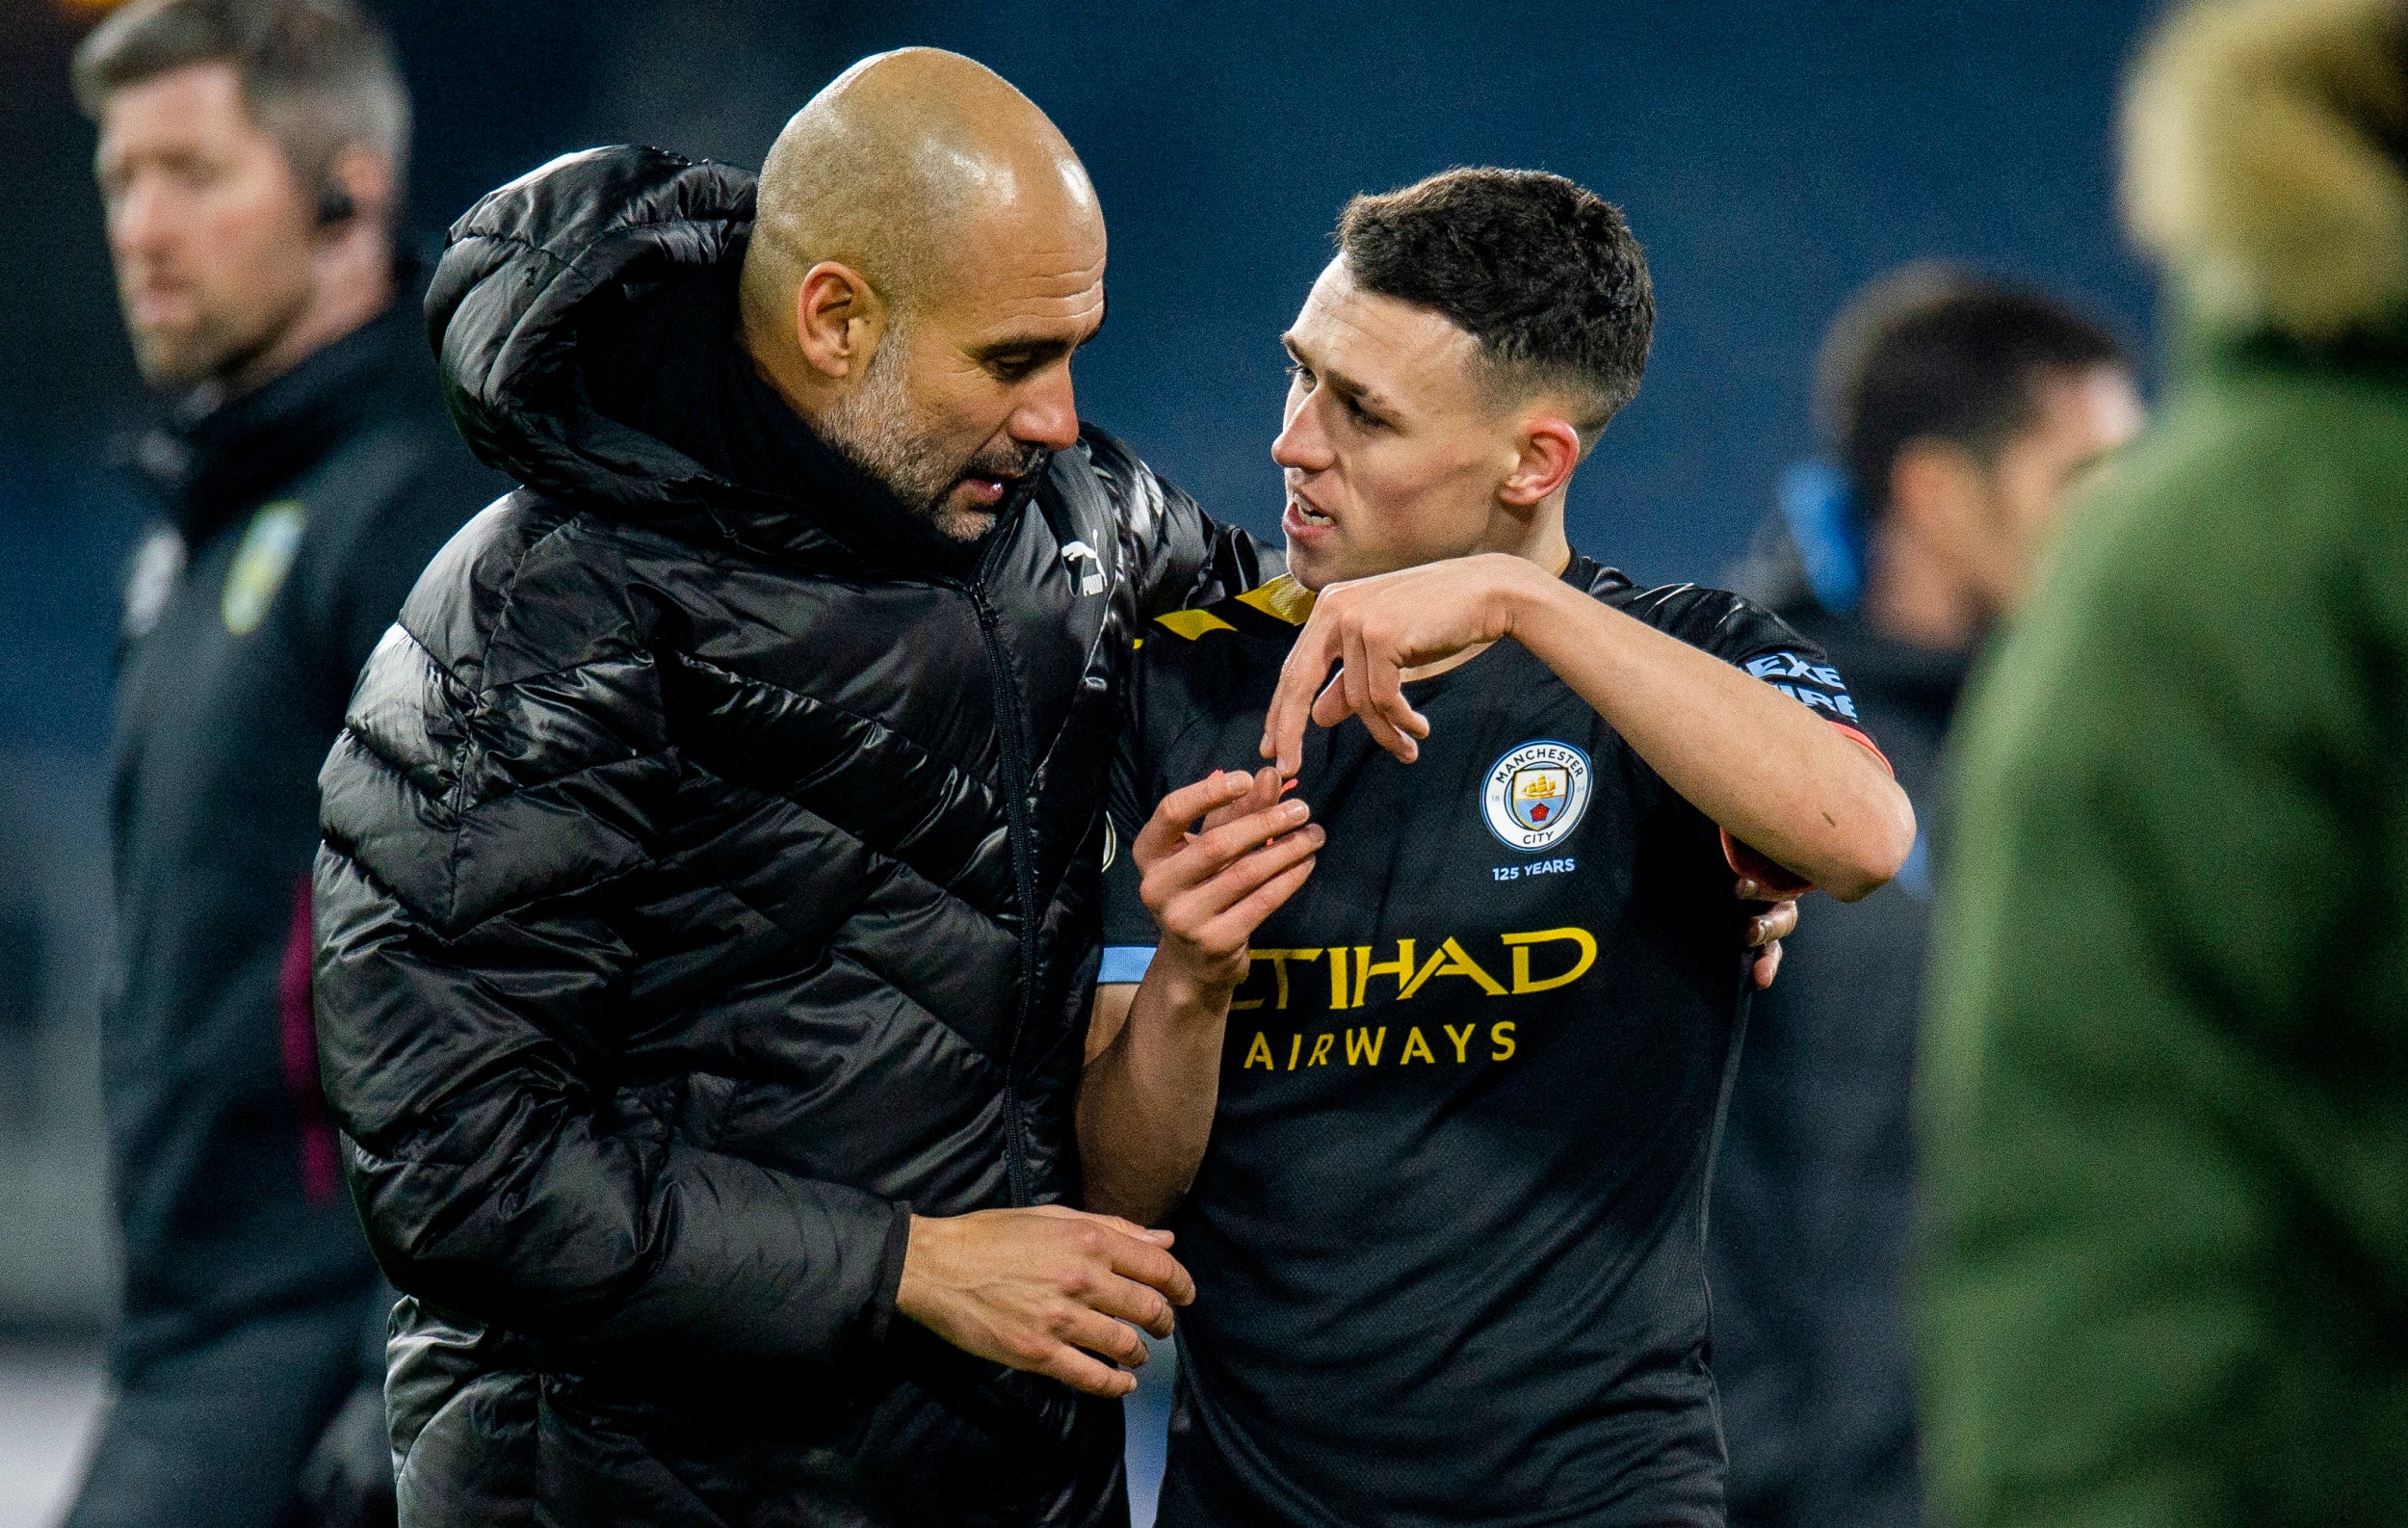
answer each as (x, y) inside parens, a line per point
(1536, 794)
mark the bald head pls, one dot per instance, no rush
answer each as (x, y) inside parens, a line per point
(927, 253)
(905, 166)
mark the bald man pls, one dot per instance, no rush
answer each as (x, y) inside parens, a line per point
(712, 850)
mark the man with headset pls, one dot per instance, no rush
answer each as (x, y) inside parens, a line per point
(252, 157)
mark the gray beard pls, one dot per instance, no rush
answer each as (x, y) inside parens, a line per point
(875, 428)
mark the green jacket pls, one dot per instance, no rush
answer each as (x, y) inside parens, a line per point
(2166, 1079)
(2165, 1084)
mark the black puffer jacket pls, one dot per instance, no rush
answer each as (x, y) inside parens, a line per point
(710, 880)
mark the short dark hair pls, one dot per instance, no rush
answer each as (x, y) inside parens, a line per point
(317, 74)
(1935, 351)
(1544, 274)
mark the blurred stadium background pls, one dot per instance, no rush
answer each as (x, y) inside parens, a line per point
(1772, 154)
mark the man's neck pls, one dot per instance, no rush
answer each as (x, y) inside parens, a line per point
(1538, 539)
(1913, 595)
(1535, 537)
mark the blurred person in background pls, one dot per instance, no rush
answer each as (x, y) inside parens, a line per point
(251, 158)
(2166, 1079)
(1960, 413)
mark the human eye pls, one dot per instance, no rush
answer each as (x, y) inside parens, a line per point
(193, 172)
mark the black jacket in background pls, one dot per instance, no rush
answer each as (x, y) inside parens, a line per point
(1812, 1191)
(710, 879)
(298, 516)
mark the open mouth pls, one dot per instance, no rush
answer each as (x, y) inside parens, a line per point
(1302, 513)
(987, 485)
(987, 490)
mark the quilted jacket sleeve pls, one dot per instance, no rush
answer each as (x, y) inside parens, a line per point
(504, 773)
(1179, 557)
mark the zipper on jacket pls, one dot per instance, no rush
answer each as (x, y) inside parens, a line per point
(1018, 827)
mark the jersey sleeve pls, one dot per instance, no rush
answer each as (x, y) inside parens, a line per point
(1747, 636)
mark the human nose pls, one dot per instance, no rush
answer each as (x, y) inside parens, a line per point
(1048, 413)
(137, 220)
(1302, 443)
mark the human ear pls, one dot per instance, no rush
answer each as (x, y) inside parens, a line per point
(838, 319)
(357, 191)
(1547, 449)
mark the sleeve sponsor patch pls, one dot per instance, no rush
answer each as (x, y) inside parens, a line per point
(1817, 686)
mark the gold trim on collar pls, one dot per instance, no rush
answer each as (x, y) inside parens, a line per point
(1283, 598)
(1192, 623)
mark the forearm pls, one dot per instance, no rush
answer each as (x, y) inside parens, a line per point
(1779, 777)
(1147, 1101)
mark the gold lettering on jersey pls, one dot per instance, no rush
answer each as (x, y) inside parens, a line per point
(1338, 976)
(1278, 961)
(1451, 960)
(1401, 968)
(1539, 961)
(1521, 944)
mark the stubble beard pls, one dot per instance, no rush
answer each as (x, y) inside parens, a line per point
(185, 359)
(879, 430)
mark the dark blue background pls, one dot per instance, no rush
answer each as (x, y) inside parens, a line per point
(1771, 156)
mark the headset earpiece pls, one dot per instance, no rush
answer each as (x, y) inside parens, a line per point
(335, 206)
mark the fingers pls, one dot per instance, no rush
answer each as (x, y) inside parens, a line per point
(1261, 796)
(1238, 923)
(1400, 728)
(1152, 1264)
(1166, 830)
(1189, 907)
(1767, 966)
(1206, 856)
(1772, 925)
(1282, 871)
(1292, 703)
(1153, 1235)
(1138, 1304)
(1080, 1371)
(1371, 685)
(1100, 1334)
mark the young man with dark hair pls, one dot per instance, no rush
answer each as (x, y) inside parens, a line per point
(1423, 1064)
(1958, 413)
(251, 161)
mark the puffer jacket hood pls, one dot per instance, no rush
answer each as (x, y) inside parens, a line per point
(709, 885)
(531, 271)
(545, 273)
(2265, 146)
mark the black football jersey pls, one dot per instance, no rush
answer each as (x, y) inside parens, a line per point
(1447, 1236)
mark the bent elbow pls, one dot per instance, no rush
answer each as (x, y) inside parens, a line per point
(1881, 850)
